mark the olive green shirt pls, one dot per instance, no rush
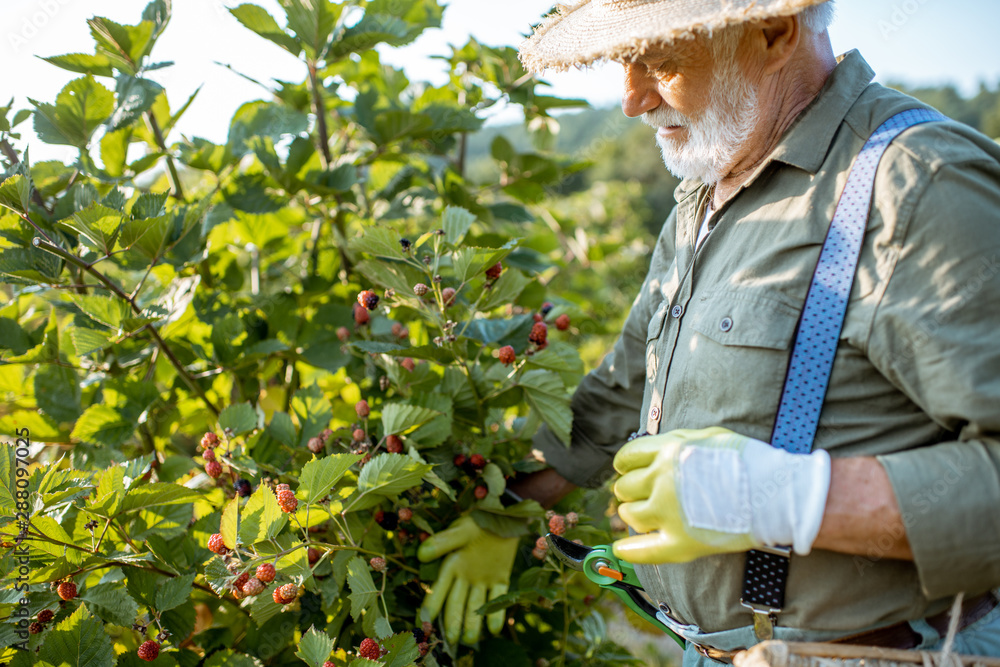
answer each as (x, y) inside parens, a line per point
(916, 380)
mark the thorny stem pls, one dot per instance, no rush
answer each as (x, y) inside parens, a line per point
(160, 343)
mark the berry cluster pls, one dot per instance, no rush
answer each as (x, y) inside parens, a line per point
(368, 299)
(494, 271)
(66, 590)
(286, 594)
(286, 499)
(506, 355)
(559, 523)
(370, 649)
(148, 651)
(44, 616)
(317, 443)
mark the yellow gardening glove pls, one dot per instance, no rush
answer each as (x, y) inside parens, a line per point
(476, 570)
(712, 491)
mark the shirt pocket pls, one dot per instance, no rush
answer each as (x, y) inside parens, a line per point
(736, 354)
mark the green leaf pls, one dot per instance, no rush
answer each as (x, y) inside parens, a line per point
(239, 418)
(148, 236)
(112, 603)
(103, 425)
(380, 241)
(97, 224)
(57, 391)
(259, 21)
(494, 479)
(401, 650)
(109, 493)
(263, 119)
(558, 356)
(505, 290)
(83, 63)
(230, 658)
(320, 475)
(173, 592)
(15, 193)
(363, 591)
(313, 411)
(515, 330)
(160, 493)
(388, 475)
(395, 125)
(217, 575)
(550, 401)
(81, 106)
(498, 524)
(261, 518)
(87, 341)
(282, 429)
(230, 523)
(30, 265)
(107, 310)
(124, 46)
(313, 22)
(457, 222)
(135, 97)
(400, 417)
(386, 275)
(78, 640)
(315, 647)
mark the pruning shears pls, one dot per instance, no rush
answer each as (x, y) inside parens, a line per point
(601, 566)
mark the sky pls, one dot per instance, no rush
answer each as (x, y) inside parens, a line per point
(913, 41)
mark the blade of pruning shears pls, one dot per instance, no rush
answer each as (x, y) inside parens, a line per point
(601, 566)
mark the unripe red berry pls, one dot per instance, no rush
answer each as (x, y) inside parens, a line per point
(313, 555)
(285, 594)
(397, 329)
(35, 628)
(265, 572)
(240, 581)
(481, 492)
(148, 651)
(562, 322)
(478, 461)
(423, 647)
(420, 289)
(253, 586)
(208, 455)
(369, 649)
(408, 364)
(213, 469)
(287, 501)
(537, 317)
(572, 518)
(428, 628)
(538, 553)
(459, 460)
(448, 296)
(361, 315)
(281, 487)
(361, 407)
(542, 543)
(557, 525)
(46, 615)
(343, 334)
(539, 333)
(506, 355)
(494, 271)
(423, 535)
(217, 545)
(405, 514)
(358, 435)
(329, 664)
(377, 563)
(209, 440)
(393, 444)
(368, 299)
(66, 590)
(315, 445)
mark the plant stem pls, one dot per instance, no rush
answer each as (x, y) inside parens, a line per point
(160, 343)
(319, 108)
(175, 181)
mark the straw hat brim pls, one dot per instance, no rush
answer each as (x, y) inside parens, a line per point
(620, 30)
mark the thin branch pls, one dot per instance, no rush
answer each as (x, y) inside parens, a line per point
(175, 181)
(319, 108)
(55, 250)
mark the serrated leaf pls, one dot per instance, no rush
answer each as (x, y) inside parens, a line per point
(320, 475)
(263, 609)
(385, 275)
(505, 290)
(80, 108)
(549, 399)
(240, 418)
(78, 641)
(363, 591)
(148, 236)
(98, 224)
(15, 193)
(230, 658)
(173, 592)
(558, 356)
(109, 493)
(313, 411)
(103, 425)
(87, 341)
(159, 493)
(457, 222)
(107, 310)
(383, 628)
(217, 575)
(494, 479)
(400, 417)
(401, 650)
(390, 474)
(82, 63)
(29, 265)
(512, 331)
(259, 21)
(57, 391)
(112, 603)
(380, 241)
(229, 525)
(314, 647)
(135, 97)
(261, 518)
(142, 584)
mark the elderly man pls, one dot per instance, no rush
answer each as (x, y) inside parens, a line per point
(866, 531)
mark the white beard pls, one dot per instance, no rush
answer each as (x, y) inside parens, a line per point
(715, 139)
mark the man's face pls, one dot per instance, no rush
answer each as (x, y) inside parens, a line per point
(700, 103)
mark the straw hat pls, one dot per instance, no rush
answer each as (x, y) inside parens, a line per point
(592, 30)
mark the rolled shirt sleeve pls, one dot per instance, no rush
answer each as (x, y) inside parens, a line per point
(936, 336)
(608, 402)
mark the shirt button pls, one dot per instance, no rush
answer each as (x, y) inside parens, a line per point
(726, 324)
(677, 311)
(654, 413)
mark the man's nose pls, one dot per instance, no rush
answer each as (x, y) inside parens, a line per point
(640, 91)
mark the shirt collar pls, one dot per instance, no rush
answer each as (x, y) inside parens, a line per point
(806, 143)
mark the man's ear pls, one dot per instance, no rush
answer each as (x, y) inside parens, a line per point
(776, 40)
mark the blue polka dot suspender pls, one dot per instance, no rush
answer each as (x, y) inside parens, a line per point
(815, 347)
